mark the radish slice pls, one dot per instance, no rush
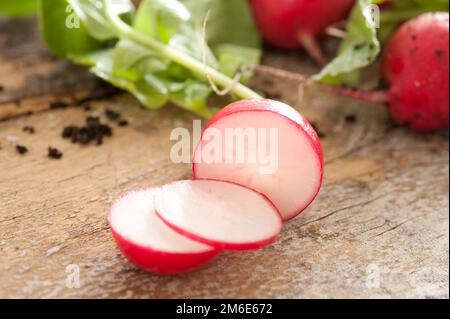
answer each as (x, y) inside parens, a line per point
(147, 242)
(221, 214)
(296, 153)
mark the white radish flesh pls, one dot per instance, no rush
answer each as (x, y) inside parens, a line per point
(298, 177)
(147, 242)
(221, 214)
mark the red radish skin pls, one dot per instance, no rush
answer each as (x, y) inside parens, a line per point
(223, 215)
(291, 24)
(148, 243)
(291, 191)
(386, 5)
(161, 263)
(415, 65)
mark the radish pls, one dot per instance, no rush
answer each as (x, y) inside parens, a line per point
(147, 242)
(297, 179)
(291, 24)
(415, 64)
(220, 214)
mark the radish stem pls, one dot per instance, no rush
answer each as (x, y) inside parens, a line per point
(310, 44)
(336, 32)
(369, 96)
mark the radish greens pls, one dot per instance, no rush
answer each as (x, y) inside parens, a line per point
(15, 8)
(160, 52)
(361, 46)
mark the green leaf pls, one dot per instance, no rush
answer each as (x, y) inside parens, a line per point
(433, 5)
(230, 22)
(157, 81)
(144, 89)
(233, 57)
(152, 90)
(192, 96)
(17, 8)
(403, 10)
(62, 30)
(358, 50)
(130, 57)
(154, 14)
(179, 24)
(158, 56)
(240, 45)
(92, 14)
(170, 22)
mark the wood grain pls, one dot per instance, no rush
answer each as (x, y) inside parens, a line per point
(383, 208)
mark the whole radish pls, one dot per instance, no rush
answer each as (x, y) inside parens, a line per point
(415, 65)
(291, 24)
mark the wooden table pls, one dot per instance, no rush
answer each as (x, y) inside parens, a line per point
(379, 227)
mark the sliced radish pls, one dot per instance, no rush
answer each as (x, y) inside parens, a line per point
(221, 214)
(147, 242)
(298, 177)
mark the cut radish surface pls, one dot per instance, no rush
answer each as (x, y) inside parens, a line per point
(221, 214)
(288, 168)
(147, 242)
